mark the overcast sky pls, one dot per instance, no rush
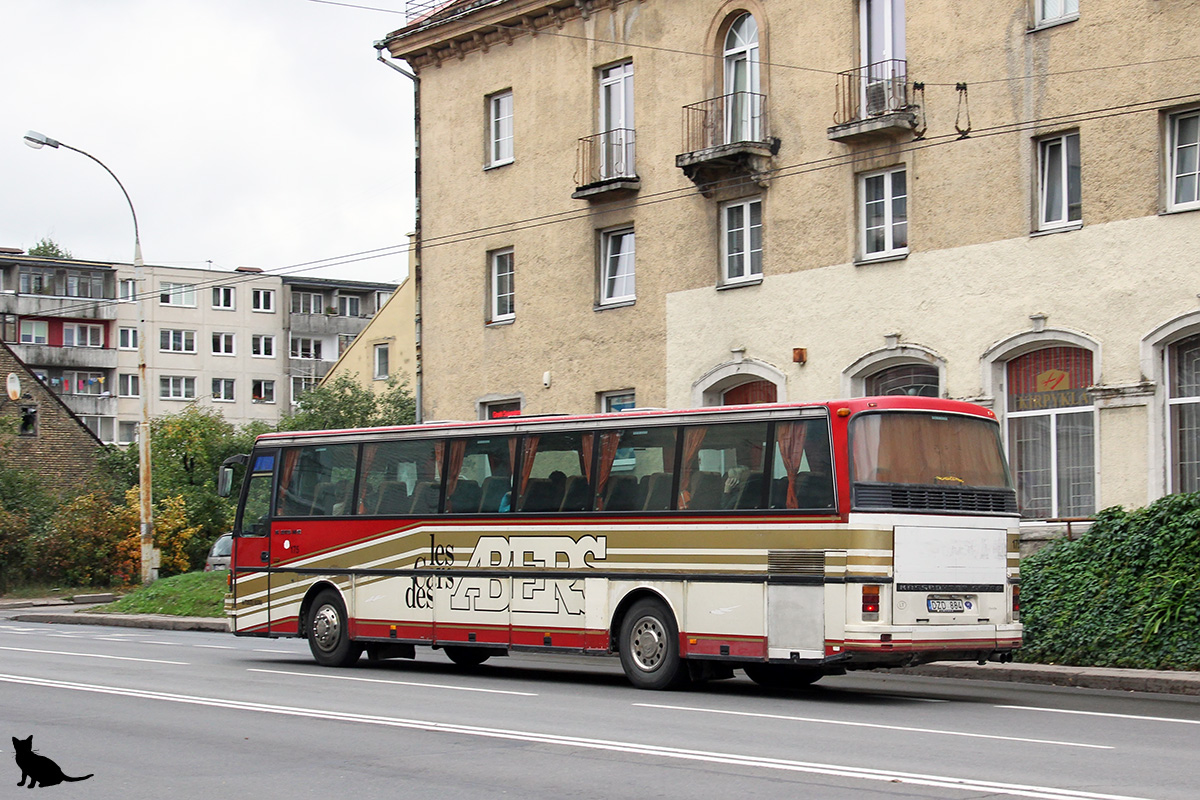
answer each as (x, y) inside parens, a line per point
(247, 132)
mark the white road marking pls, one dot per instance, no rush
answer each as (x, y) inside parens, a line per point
(396, 683)
(1105, 714)
(631, 748)
(215, 646)
(93, 655)
(149, 641)
(819, 721)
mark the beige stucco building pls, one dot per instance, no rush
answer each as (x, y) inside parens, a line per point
(829, 198)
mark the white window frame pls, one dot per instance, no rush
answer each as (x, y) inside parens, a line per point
(349, 305)
(177, 387)
(262, 343)
(611, 402)
(177, 340)
(301, 385)
(83, 335)
(72, 378)
(381, 363)
(33, 331)
(499, 129)
(126, 426)
(743, 114)
(101, 427)
(224, 343)
(182, 295)
(223, 390)
(502, 291)
(1055, 177)
(308, 302)
(262, 391)
(315, 347)
(744, 249)
(1053, 12)
(890, 225)
(618, 267)
(616, 122)
(262, 301)
(128, 385)
(127, 338)
(128, 290)
(1174, 149)
(224, 298)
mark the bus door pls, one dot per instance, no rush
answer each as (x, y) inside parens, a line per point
(251, 546)
(316, 488)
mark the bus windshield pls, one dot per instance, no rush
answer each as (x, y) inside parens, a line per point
(925, 449)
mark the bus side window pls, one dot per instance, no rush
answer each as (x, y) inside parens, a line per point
(555, 471)
(633, 466)
(479, 475)
(318, 480)
(722, 466)
(399, 475)
(803, 468)
(256, 510)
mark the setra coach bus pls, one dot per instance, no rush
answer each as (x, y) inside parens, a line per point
(789, 541)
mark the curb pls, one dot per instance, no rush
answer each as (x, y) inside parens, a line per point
(154, 621)
(1107, 678)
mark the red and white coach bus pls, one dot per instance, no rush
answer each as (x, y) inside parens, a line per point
(790, 541)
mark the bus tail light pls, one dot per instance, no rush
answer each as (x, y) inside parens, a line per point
(870, 602)
(1016, 607)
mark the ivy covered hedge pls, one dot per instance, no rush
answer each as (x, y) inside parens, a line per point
(1125, 594)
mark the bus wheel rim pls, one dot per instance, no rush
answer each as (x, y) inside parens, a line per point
(327, 627)
(648, 643)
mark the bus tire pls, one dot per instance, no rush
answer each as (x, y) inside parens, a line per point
(467, 656)
(649, 647)
(328, 631)
(782, 676)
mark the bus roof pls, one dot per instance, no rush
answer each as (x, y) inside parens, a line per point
(848, 408)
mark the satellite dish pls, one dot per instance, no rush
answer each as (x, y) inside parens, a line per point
(14, 386)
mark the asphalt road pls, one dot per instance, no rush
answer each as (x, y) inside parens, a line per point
(187, 715)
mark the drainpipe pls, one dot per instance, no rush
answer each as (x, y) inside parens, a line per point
(419, 389)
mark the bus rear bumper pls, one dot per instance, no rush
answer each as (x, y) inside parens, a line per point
(868, 646)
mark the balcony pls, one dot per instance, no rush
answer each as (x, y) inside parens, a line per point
(873, 102)
(605, 165)
(725, 138)
(43, 305)
(44, 355)
(326, 324)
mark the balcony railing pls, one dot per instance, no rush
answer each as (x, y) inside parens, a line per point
(872, 91)
(606, 157)
(726, 121)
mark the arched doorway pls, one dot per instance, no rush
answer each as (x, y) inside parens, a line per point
(750, 392)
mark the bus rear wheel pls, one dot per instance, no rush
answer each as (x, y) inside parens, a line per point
(467, 656)
(328, 631)
(649, 647)
(782, 676)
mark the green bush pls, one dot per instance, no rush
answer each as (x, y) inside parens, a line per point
(1125, 594)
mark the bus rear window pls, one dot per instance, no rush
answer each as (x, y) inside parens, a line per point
(923, 449)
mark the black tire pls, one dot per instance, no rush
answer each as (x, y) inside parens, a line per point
(649, 647)
(467, 656)
(782, 676)
(328, 633)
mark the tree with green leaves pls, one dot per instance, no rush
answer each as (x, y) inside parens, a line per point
(48, 248)
(343, 402)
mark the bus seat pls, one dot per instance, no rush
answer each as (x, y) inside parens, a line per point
(539, 496)
(621, 494)
(814, 491)
(425, 498)
(465, 499)
(393, 498)
(752, 488)
(707, 491)
(322, 502)
(494, 489)
(578, 495)
(658, 492)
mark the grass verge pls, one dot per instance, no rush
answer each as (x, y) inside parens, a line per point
(193, 594)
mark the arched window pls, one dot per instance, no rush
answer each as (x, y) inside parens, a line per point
(750, 392)
(743, 102)
(1051, 432)
(915, 380)
(1183, 411)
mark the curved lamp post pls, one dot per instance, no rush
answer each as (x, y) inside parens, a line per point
(149, 555)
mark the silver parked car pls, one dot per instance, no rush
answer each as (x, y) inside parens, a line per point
(218, 557)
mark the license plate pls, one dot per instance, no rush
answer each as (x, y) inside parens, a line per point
(946, 605)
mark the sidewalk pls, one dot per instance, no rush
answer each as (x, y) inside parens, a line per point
(1129, 680)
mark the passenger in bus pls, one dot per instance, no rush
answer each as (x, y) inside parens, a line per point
(814, 489)
(734, 479)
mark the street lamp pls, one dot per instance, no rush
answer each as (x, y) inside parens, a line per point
(149, 555)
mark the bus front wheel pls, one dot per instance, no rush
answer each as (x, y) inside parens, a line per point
(328, 631)
(649, 647)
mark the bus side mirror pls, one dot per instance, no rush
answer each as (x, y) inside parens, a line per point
(224, 481)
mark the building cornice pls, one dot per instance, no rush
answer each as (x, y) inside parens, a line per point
(479, 26)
